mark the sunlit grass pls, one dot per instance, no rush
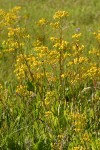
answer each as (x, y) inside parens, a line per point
(50, 75)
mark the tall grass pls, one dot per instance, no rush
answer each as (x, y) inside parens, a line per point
(50, 75)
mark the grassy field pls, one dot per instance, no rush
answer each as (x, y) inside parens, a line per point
(49, 75)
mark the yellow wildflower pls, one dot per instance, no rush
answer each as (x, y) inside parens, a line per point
(60, 14)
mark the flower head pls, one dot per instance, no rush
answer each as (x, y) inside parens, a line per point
(60, 14)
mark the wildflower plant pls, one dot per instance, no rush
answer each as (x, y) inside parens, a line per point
(54, 103)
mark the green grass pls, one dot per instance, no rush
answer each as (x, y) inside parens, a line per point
(24, 119)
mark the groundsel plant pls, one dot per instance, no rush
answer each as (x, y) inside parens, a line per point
(57, 88)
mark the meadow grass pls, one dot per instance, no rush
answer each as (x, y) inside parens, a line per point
(49, 75)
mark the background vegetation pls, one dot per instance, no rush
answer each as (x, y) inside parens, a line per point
(50, 75)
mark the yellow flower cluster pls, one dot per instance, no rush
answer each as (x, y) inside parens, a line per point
(42, 49)
(10, 45)
(76, 35)
(79, 60)
(85, 137)
(8, 18)
(37, 43)
(16, 39)
(60, 14)
(17, 32)
(21, 68)
(77, 48)
(48, 114)
(55, 25)
(61, 45)
(93, 72)
(22, 91)
(2, 13)
(97, 35)
(53, 57)
(78, 148)
(95, 52)
(12, 16)
(78, 121)
(42, 22)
